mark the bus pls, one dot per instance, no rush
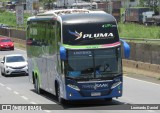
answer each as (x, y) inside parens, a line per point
(75, 54)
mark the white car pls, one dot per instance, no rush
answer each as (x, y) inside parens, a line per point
(14, 64)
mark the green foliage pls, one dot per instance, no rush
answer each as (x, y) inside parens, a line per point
(153, 4)
(2, 10)
(2, 0)
(139, 31)
(10, 18)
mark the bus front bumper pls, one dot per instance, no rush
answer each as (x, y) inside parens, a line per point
(73, 94)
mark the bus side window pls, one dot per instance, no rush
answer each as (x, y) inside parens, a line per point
(58, 42)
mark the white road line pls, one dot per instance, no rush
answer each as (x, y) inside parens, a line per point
(143, 81)
(25, 98)
(33, 103)
(2, 84)
(9, 88)
(47, 111)
(151, 111)
(15, 92)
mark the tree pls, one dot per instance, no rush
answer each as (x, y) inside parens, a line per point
(48, 4)
(153, 4)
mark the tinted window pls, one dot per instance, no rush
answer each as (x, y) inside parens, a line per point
(93, 63)
(15, 59)
(5, 40)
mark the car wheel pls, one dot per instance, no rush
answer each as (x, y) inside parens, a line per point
(37, 86)
(3, 73)
(60, 100)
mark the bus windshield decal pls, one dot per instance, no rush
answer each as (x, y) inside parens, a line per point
(78, 35)
(91, 46)
(95, 35)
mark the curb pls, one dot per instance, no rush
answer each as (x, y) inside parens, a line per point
(141, 65)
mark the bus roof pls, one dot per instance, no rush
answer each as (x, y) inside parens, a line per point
(70, 15)
(87, 18)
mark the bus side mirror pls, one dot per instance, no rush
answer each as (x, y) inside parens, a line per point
(62, 53)
(126, 48)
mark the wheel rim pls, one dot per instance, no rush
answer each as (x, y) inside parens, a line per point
(58, 93)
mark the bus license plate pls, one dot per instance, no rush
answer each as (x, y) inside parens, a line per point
(95, 94)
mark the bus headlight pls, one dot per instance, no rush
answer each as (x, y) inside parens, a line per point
(116, 84)
(73, 87)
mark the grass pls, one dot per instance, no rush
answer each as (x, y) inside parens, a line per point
(3, 0)
(19, 45)
(10, 18)
(132, 30)
(128, 30)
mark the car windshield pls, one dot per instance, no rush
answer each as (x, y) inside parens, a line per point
(5, 40)
(15, 59)
(93, 63)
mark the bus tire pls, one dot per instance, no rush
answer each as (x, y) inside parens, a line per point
(60, 100)
(108, 99)
(36, 86)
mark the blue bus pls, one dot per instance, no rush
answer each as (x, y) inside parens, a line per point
(75, 54)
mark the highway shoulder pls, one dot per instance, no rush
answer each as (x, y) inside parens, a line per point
(144, 75)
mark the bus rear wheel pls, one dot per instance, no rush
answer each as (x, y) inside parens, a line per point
(36, 86)
(60, 100)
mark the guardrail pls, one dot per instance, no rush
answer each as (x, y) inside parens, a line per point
(141, 39)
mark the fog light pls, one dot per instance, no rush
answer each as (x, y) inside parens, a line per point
(70, 94)
(119, 92)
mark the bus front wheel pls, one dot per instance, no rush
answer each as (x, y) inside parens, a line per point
(60, 100)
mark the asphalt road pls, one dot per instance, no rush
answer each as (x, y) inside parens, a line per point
(18, 90)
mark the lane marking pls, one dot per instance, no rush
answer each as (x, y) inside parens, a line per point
(9, 88)
(143, 81)
(15, 92)
(25, 98)
(2, 84)
(47, 111)
(151, 111)
(33, 103)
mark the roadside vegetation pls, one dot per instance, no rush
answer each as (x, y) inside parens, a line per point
(132, 30)
(9, 18)
(128, 30)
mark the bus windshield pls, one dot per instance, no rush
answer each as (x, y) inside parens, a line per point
(90, 34)
(93, 63)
